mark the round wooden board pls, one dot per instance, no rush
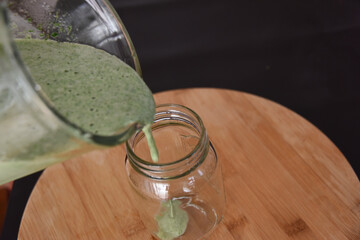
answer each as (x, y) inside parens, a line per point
(283, 179)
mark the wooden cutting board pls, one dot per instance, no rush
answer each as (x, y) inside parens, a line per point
(284, 179)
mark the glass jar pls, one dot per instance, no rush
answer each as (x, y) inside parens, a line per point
(182, 195)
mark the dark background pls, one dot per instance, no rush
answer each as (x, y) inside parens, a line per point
(304, 55)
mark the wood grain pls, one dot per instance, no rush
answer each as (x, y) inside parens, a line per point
(283, 179)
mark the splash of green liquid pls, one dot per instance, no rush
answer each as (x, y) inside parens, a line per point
(172, 220)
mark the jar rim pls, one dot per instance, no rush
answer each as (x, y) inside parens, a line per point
(157, 165)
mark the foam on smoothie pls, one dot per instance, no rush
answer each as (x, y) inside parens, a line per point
(91, 88)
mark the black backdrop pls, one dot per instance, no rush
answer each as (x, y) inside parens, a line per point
(302, 54)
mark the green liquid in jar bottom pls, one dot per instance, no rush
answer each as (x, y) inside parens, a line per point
(92, 89)
(172, 220)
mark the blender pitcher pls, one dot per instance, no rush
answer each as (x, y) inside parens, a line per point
(33, 134)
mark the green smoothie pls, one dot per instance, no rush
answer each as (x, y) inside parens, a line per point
(172, 220)
(92, 89)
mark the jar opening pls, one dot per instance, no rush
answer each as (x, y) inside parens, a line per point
(181, 140)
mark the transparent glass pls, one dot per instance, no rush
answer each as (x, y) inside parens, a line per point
(33, 134)
(182, 195)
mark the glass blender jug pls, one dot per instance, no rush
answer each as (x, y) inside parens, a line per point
(33, 134)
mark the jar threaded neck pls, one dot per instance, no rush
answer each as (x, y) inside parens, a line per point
(174, 119)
